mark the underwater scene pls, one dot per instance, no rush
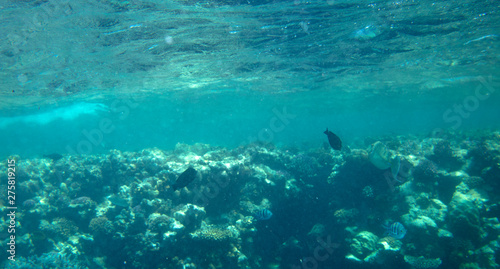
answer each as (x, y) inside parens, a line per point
(275, 134)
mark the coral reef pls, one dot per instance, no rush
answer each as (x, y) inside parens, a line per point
(104, 211)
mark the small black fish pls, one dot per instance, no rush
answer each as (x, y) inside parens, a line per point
(334, 140)
(54, 156)
(185, 178)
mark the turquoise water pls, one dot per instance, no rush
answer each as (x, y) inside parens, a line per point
(203, 71)
(234, 118)
(110, 85)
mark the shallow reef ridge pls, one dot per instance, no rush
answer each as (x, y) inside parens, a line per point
(119, 210)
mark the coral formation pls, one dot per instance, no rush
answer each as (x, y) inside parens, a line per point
(422, 263)
(101, 225)
(304, 166)
(48, 260)
(426, 172)
(59, 227)
(159, 223)
(215, 233)
(345, 215)
(362, 245)
(447, 156)
(120, 206)
(368, 192)
(190, 215)
(390, 243)
(425, 213)
(464, 217)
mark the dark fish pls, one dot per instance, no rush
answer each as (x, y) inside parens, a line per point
(263, 214)
(334, 140)
(54, 156)
(185, 178)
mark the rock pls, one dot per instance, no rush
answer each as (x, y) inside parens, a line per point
(419, 222)
(464, 218)
(363, 244)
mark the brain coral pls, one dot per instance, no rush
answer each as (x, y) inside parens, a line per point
(363, 244)
(101, 225)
